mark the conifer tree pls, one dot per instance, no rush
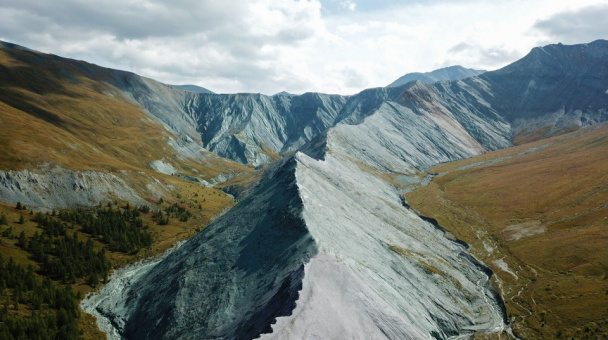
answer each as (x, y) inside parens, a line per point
(22, 242)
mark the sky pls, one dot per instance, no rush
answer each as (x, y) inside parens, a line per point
(268, 46)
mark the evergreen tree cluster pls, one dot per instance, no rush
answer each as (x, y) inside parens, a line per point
(8, 232)
(160, 217)
(32, 308)
(178, 212)
(54, 310)
(3, 219)
(51, 226)
(121, 229)
(67, 258)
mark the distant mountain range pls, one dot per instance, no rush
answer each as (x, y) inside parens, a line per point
(324, 245)
(284, 93)
(447, 73)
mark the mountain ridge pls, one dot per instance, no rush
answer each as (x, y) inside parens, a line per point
(83, 123)
(255, 129)
(192, 88)
(353, 260)
(459, 97)
(455, 72)
(328, 214)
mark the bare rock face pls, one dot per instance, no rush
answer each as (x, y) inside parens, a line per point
(322, 247)
(554, 89)
(230, 281)
(248, 128)
(49, 188)
(557, 88)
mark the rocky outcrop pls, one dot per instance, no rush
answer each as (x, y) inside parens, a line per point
(50, 188)
(231, 280)
(322, 247)
(250, 128)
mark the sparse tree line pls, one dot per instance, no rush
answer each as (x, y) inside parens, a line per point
(162, 217)
(121, 229)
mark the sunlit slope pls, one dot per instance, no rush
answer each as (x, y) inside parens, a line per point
(553, 90)
(68, 112)
(58, 113)
(538, 215)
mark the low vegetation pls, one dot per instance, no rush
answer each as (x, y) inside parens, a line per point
(69, 113)
(537, 214)
(64, 113)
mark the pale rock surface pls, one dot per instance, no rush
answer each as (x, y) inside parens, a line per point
(49, 188)
(163, 167)
(324, 246)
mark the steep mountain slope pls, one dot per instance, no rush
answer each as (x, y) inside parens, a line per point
(324, 245)
(254, 128)
(552, 90)
(555, 89)
(72, 133)
(456, 72)
(536, 214)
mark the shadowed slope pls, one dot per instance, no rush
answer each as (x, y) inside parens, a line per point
(553, 90)
(371, 266)
(232, 279)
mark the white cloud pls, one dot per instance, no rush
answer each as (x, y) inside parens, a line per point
(575, 26)
(349, 5)
(295, 45)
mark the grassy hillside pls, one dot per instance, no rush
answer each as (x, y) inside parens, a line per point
(68, 113)
(537, 214)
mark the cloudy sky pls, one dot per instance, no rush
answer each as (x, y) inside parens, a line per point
(267, 46)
